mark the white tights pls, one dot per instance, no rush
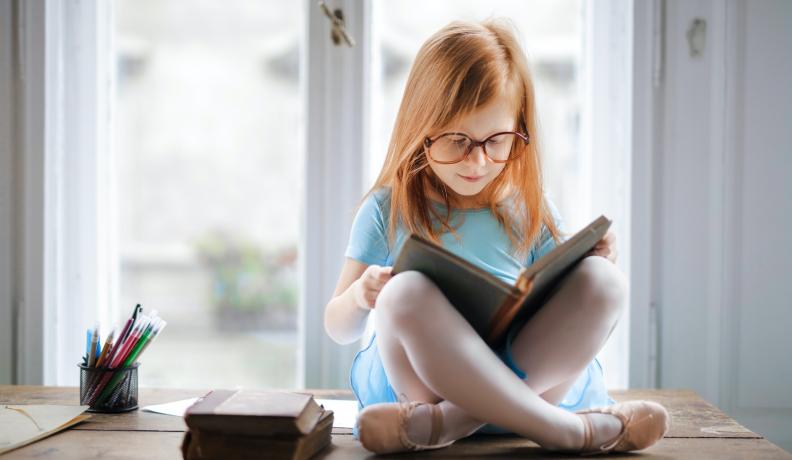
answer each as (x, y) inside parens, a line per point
(431, 354)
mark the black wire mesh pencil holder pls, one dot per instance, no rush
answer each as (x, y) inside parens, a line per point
(109, 390)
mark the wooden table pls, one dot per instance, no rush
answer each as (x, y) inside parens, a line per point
(698, 430)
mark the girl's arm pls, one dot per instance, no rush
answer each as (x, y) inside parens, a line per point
(354, 297)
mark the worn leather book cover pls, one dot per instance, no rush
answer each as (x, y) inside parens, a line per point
(205, 445)
(255, 413)
(488, 303)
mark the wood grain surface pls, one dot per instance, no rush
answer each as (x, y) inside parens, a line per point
(698, 430)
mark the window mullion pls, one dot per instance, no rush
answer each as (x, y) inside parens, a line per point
(336, 94)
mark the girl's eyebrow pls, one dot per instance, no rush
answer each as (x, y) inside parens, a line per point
(489, 133)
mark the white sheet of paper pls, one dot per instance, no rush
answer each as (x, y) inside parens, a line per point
(177, 408)
(344, 411)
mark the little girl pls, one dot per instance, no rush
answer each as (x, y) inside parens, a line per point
(463, 169)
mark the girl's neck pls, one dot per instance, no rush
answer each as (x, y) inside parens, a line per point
(462, 202)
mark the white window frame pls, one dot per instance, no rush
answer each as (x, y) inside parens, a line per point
(60, 264)
(8, 192)
(624, 51)
(646, 77)
(605, 147)
(337, 95)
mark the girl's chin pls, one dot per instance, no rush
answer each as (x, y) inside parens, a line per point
(468, 189)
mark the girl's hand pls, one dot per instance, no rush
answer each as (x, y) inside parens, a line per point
(369, 285)
(606, 247)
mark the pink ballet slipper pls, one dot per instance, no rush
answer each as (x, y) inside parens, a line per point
(382, 428)
(643, 424)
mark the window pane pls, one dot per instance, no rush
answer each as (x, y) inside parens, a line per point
(551, 35)
(208, 168)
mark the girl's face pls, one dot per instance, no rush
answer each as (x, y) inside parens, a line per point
(469, 177)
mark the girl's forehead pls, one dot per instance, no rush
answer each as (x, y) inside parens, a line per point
(497, 115)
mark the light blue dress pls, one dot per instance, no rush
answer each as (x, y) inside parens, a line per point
(483, 243)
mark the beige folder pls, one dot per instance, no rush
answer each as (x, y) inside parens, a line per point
(23, 424)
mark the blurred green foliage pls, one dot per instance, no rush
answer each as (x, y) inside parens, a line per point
(248, 278)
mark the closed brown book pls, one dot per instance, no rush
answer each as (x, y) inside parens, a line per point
(254, 413)
(488, 303)
(210, 445)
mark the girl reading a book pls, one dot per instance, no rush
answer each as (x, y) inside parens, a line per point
(463, 170)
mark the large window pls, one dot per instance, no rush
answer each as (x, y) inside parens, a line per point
(213, 221)
(209, 177)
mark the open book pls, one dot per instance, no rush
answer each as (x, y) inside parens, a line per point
(488, 303)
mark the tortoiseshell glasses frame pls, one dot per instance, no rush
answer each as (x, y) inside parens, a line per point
(473, 143)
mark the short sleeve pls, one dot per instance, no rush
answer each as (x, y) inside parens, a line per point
(368, 242)
(546, 242)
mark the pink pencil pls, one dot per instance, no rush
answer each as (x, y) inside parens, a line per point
(132, 339)
(119, 342)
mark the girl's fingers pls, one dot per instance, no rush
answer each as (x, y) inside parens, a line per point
(608, 240)
(376, 285)
(382, 277)
(375, 277)
(378, 272)
(609, 254)
(605, 252)
(380, 282)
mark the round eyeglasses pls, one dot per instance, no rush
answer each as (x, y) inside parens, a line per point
(448, 148)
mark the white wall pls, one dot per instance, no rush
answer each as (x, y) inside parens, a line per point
(723, 210)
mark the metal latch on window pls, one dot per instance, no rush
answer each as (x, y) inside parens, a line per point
(338, 31)
(697, 36)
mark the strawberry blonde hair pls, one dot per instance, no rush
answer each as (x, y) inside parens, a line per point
(460, 68)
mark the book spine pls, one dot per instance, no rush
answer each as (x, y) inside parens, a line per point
(522, 280)
(506, 313)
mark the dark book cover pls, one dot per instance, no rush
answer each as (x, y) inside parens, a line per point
(255, 413)
(488, 303)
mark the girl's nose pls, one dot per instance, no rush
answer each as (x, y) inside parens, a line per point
(477, 156)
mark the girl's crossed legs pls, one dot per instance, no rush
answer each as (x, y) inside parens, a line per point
(430, 353)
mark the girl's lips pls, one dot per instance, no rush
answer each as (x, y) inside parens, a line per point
(470, 178)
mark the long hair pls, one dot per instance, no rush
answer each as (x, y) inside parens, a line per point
(460, 68)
